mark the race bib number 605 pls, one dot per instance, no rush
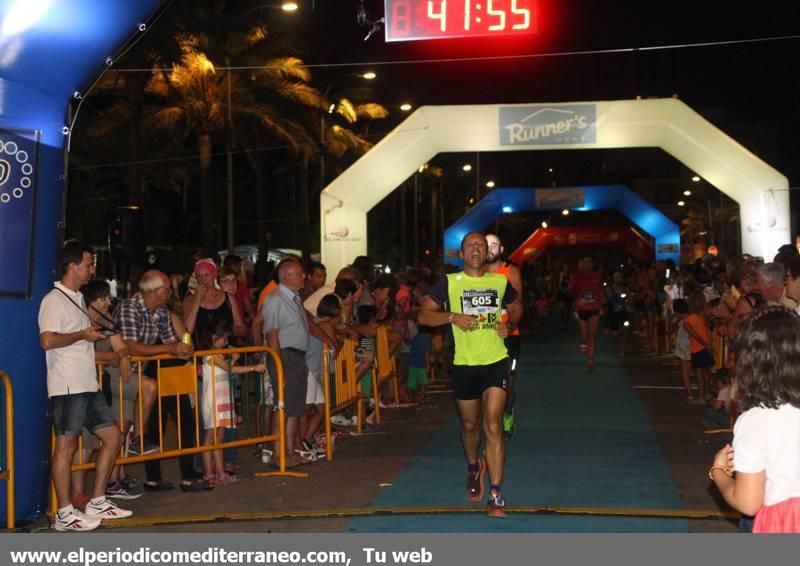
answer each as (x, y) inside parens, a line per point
(480, 301)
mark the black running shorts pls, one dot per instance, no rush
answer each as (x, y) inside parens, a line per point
(469, 382)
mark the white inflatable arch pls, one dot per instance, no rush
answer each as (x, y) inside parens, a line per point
(760, 190)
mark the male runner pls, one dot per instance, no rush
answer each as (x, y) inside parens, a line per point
(471, 302)
(496, 264)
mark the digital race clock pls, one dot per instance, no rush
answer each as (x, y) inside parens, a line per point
(408, 20)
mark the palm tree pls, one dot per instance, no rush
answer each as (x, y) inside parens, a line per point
(195, 105)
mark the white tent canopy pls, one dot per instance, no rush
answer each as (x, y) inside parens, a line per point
(760, 190)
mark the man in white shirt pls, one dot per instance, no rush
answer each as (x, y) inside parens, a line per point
(67, 337)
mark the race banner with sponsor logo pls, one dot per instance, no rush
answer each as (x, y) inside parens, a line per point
(548, 125)
(17, 192)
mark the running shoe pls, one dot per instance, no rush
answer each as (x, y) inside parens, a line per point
(508, 423)
(475, 483)
(106, 510)
(496, 506)
(117, 490)
(135, 448)
(74, 520)
(340, 420)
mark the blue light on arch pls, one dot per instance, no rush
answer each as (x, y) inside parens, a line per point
(595, 197)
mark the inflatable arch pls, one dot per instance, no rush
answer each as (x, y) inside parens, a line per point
(635, 244)
(669, 124)
(596, 197)
(49, 52)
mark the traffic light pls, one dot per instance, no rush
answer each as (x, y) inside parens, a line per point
(126, 237)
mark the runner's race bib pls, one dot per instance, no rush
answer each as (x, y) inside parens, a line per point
(478, 302)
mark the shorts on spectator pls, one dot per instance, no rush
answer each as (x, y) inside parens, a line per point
(295, 380)
(469, 382)
(417, 377)
(267, 392)
(315, 394)
(130, 391)
(702, 359)
(72, 413)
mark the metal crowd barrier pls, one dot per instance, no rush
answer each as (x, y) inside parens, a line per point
(183, 380)
(341, 388)
(386, 369)
(7, 473)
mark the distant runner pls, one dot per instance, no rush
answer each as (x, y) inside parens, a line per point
(587, 288)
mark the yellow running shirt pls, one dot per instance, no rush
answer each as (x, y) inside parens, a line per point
(482, 297)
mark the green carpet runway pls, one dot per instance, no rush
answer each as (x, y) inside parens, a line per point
(582, 440)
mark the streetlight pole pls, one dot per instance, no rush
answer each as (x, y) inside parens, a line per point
(416, 218)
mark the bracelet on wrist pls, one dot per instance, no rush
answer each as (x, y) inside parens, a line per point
(728, 471)
(450, 319)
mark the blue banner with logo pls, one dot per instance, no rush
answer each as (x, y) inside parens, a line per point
(548, 125)
(17, 192)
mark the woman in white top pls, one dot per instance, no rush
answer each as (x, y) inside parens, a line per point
(760, 474)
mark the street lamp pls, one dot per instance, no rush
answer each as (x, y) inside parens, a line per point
(565, 212)
(405, 107)
(490, 184)
(467, 167)
(696, 179)
(369, 75)
(687, 193)
(681, 203)
(289, 6)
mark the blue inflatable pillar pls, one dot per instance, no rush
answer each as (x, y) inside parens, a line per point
(49, 51)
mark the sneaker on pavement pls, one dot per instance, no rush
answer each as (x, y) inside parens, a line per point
(370, 420)
(508, 423)
(106, 510)
(496, 506)
(307, 455)
(135, 447)
(340, 420)
(117, 490)
(475, 483)
(74, 520)
(129, 482)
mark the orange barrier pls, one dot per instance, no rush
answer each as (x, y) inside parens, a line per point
(7, 475)
(183, 380)
(436, 362)
(345, 391)
(386, 368)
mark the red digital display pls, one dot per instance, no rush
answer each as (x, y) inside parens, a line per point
(409, 20)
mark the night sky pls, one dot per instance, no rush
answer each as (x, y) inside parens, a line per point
(748, 90)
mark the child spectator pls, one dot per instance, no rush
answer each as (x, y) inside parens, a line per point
(699, 342)
(367, 328)
(328, 313)
(216, 402)
(760, 474)
(717, 415)
(418, 364)
(681, 348)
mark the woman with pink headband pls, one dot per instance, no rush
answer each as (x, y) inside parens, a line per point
(208, 303)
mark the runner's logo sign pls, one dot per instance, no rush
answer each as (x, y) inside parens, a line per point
(548, 125)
